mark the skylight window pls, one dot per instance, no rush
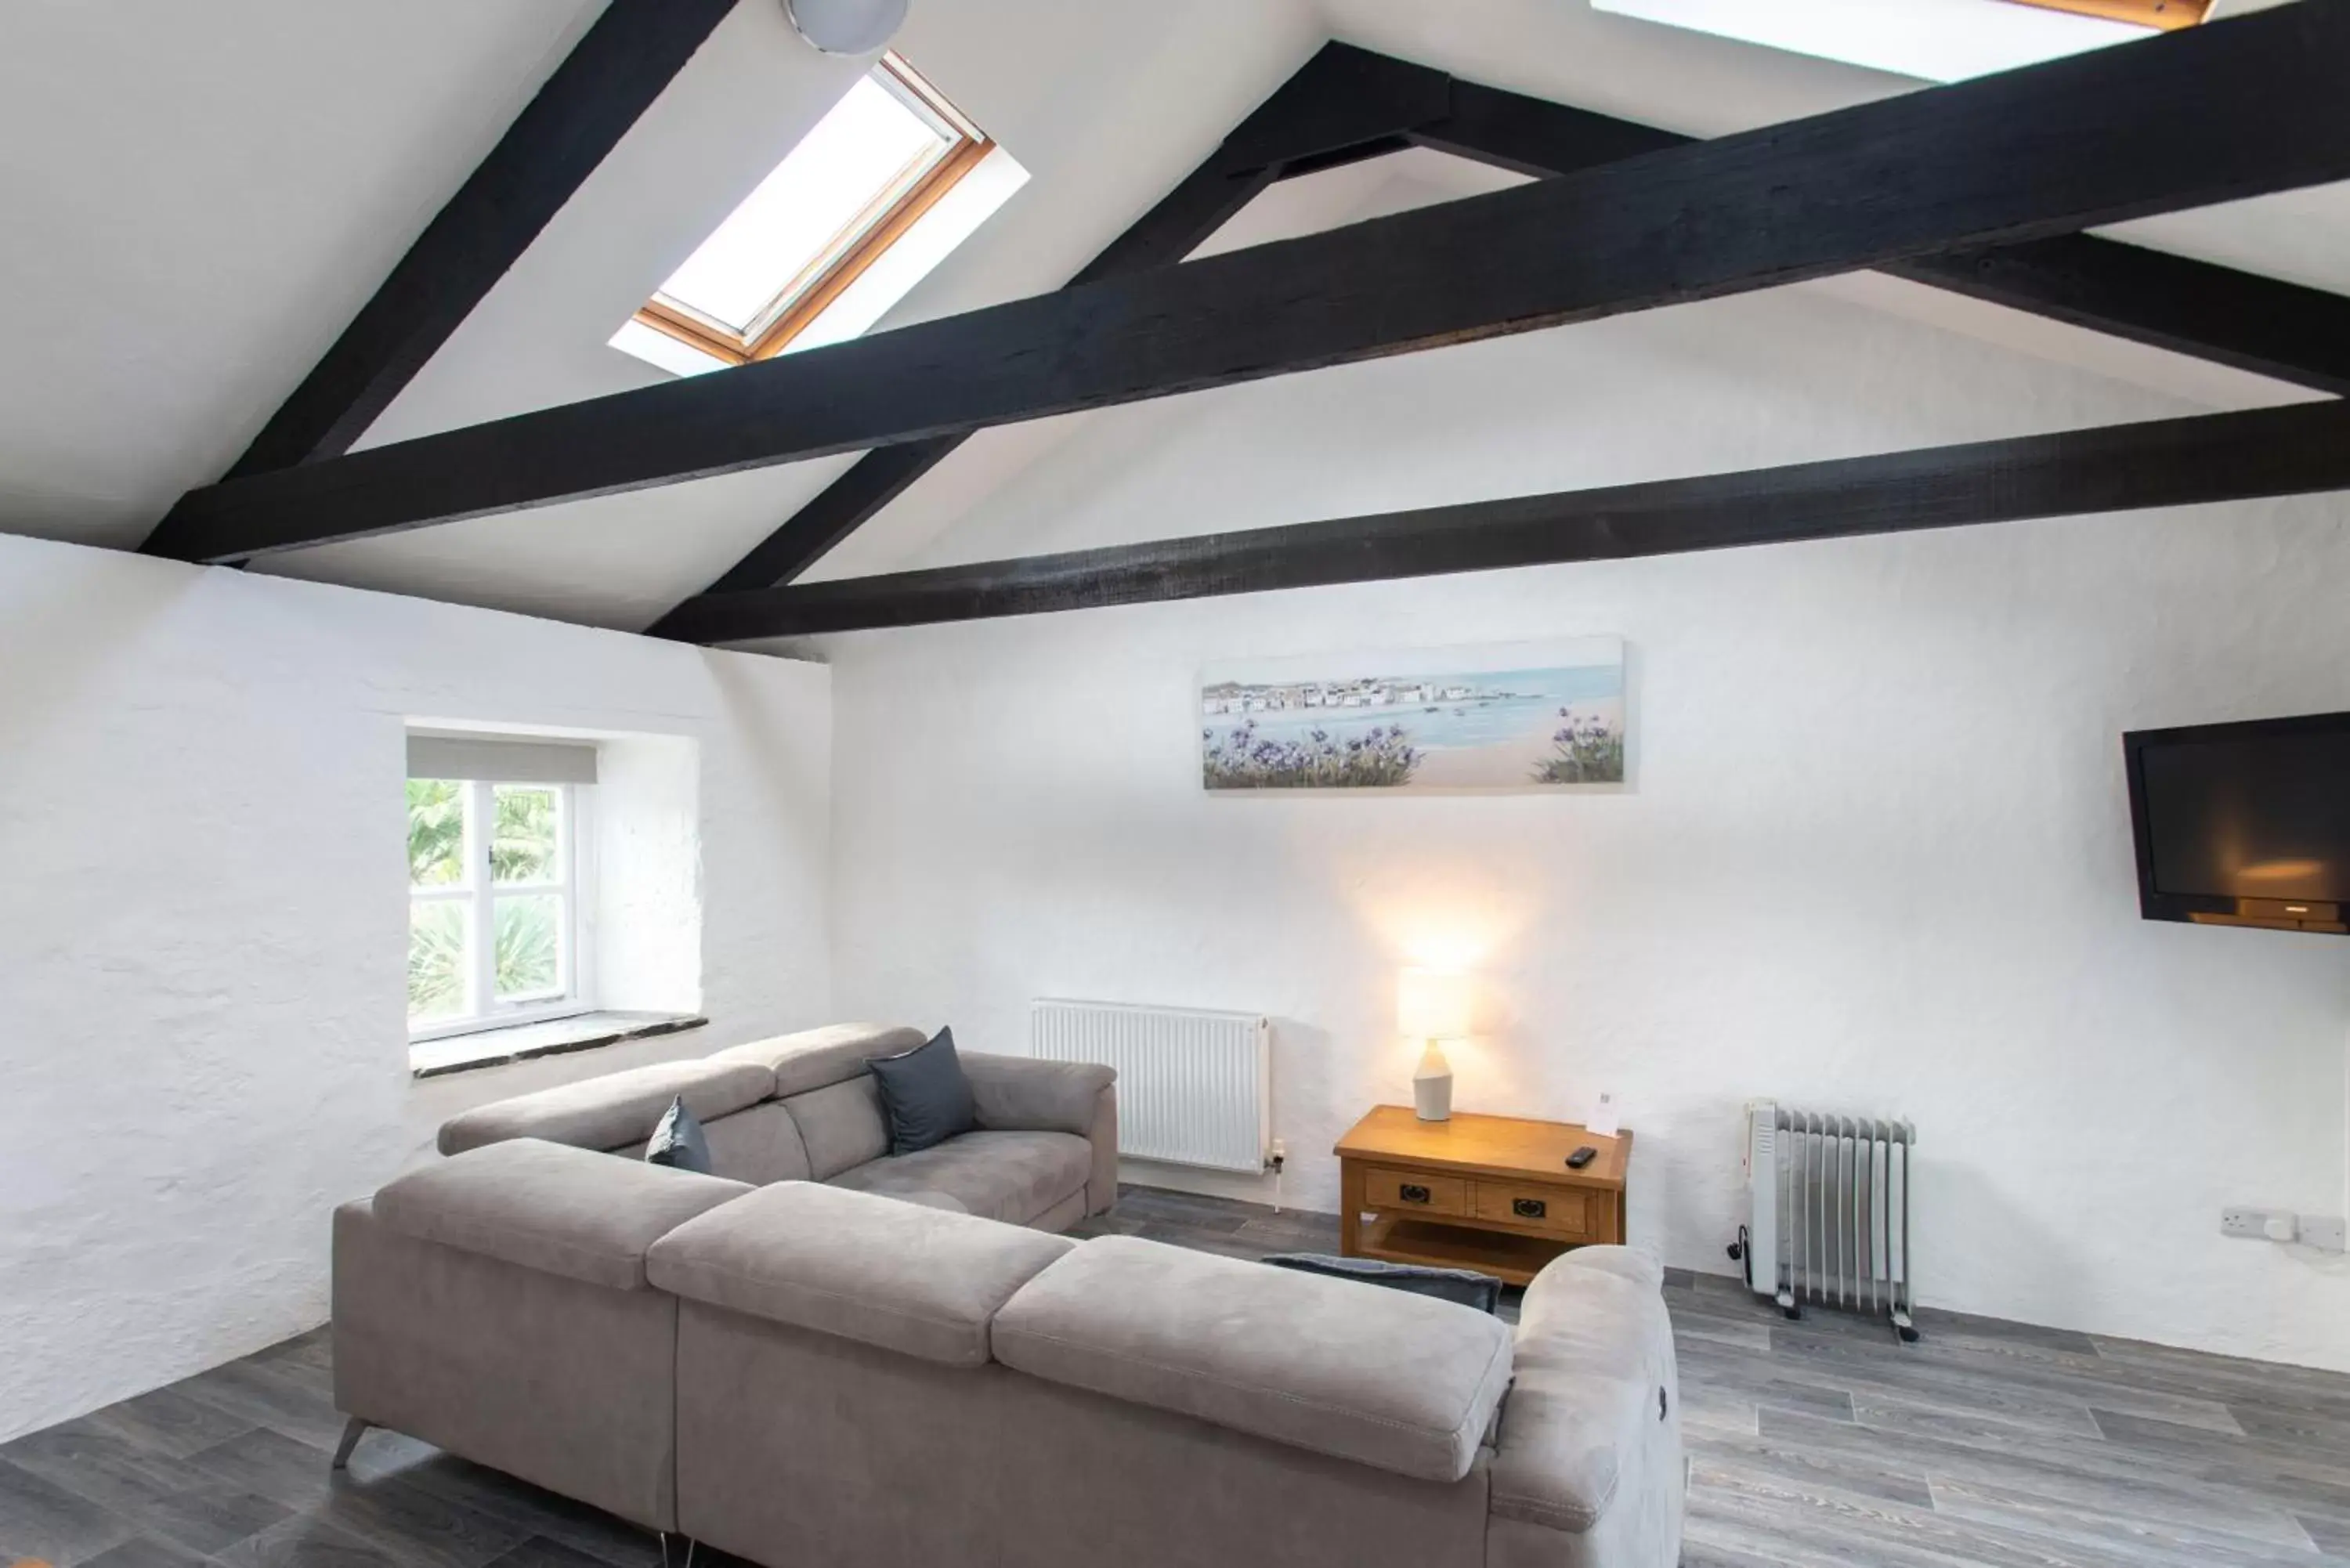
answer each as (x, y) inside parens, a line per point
(1935, 40)
(893, 170)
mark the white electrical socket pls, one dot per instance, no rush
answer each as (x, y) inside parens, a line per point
(2322, 1231)
(2252, 1223)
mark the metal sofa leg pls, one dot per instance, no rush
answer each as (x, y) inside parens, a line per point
(353, 1430)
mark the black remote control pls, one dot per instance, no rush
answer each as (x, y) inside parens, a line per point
(1581, 1157)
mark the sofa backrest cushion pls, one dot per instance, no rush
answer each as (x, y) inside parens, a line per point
(550, 1207)
(841, 1125)
(617, 1110)
(758, 1145)
(814, 1058)
(1395, 1381)
(907, 1277)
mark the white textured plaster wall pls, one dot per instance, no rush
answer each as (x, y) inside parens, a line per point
(202, 937)
(1877, 856)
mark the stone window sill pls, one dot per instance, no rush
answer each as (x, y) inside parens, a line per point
(556, 1037)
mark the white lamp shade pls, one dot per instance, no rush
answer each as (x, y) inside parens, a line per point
(847, 26)
(1433, 1004)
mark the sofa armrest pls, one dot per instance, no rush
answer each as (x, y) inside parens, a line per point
(1588, 1467)
(1027, 1094)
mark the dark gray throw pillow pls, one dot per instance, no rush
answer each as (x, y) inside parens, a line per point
(924, 1091)
(679, 1142)
(1482, 1292)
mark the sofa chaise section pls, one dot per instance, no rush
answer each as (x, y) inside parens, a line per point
(837, 1399)
(496, 1305)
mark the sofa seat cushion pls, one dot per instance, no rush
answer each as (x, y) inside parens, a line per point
(552, 1207)
(814, 1058)
(1398, 1382)
(907, 1277)
(616, 1109)
(1014, 1176)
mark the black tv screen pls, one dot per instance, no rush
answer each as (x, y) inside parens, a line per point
(2244, 824)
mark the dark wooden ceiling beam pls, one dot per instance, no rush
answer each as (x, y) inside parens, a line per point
(580, 113)
(2299, 450)
(1346, 104)
(2281, 330)
(2184, 119)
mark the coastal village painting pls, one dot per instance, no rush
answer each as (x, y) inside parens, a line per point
(1518, 716)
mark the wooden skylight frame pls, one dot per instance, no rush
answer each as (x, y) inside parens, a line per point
(2163, 14)
(863, 241)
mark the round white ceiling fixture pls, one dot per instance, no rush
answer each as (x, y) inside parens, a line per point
(847, 26)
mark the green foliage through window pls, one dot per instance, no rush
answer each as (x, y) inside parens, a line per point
(529, 946)
(436, 832)
(523, 848)
(527, 930)
(436, 958)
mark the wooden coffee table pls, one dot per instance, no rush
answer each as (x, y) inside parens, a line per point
(1489, 1193)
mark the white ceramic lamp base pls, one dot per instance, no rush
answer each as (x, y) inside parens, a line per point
(1431, 1086)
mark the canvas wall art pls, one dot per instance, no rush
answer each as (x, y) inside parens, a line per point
(1516, 716)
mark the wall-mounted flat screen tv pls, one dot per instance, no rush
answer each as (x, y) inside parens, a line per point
(2244, 825)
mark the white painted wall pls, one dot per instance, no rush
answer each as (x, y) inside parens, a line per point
(1877, 856)
(647, 909)
(202, 1043)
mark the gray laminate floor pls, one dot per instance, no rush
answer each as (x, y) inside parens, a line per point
(1818, 1442)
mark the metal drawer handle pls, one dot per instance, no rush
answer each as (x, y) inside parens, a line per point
(1410, 1193)
(1529, 1207)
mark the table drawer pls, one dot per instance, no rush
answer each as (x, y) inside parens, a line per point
(1557, 1211)
(1414, 1192)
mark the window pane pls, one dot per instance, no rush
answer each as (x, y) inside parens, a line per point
(867, 144)
(438, 932)
(529, 828)
(436, 832)
(530, 947)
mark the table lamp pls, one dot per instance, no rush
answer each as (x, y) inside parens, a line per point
(1433, 1005)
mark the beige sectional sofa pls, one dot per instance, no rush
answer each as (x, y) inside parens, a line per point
(804, 1374)
(803, 1108)
(785, 1361)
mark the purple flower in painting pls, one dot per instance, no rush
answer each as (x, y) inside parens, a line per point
(1240, 759)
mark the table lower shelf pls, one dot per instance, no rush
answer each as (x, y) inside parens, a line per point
(1513, 1259)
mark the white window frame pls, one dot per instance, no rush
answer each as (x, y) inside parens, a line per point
(481, 893)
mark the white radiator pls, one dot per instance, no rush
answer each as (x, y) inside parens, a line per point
(1193, 1088)
(1830, 1212)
